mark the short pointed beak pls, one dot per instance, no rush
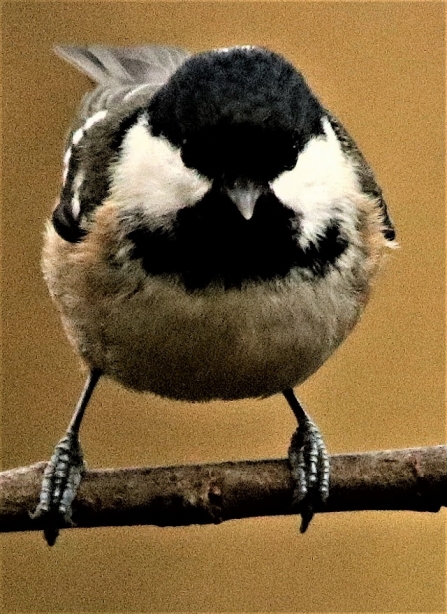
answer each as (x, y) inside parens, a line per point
(244, 195)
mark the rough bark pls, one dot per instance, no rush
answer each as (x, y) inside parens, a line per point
(410, 479)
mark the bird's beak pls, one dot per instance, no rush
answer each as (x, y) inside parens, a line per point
(244, 195)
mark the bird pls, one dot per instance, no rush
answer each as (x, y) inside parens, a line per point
(217, 236)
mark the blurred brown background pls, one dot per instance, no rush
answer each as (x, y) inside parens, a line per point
(380, 68)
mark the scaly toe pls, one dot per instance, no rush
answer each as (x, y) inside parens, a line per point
(309, 463)
(60, 483)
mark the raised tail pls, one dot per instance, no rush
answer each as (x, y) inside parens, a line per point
(124, 65)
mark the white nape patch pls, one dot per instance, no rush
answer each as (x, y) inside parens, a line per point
(322, 186)
(75, 202)
(150, 175)
(229, 49)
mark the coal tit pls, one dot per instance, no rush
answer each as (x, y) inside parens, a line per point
(216, 237)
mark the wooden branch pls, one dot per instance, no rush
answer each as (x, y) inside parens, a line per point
(411, 479)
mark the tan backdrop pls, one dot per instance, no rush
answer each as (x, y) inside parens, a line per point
(380, 67)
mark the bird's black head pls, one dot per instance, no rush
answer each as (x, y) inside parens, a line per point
(242, 113)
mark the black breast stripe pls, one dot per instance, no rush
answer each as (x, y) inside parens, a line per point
(211, 243)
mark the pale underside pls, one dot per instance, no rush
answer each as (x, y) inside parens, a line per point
(150, 333)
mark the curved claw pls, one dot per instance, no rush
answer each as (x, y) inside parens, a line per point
(60, 484)
(51, 533)
(63, 473)
(309, 462)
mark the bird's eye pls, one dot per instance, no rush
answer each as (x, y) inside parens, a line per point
(290, 159)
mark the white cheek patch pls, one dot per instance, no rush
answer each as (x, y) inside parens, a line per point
(150, 174)
(322, 186)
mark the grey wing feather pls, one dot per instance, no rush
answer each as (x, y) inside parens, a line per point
(122, 72)
(365, 174)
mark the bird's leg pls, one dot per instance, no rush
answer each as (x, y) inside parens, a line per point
(63, 473)
(309, 462)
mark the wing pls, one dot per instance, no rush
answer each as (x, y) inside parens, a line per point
(122, 74)
(126, 78)
(366, 176)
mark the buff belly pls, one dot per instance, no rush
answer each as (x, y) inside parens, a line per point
(150, 334)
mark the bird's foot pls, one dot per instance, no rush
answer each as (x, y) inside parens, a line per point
(309, 462)
(60, 483)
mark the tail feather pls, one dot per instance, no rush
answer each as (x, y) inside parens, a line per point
(124, 65)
